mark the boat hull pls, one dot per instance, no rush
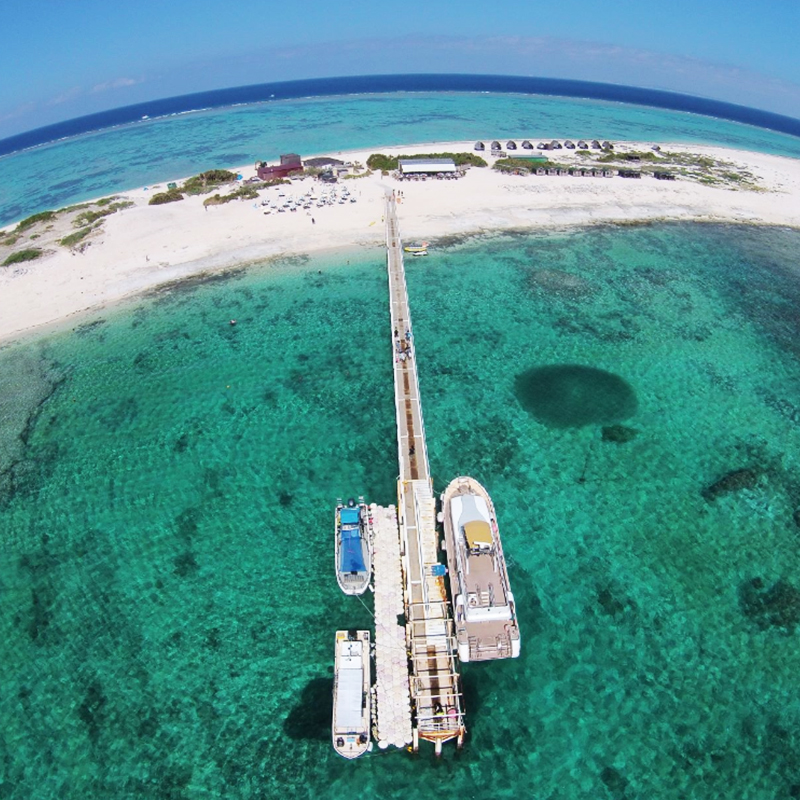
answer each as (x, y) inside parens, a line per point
(353, 553)
(484, 609)
(352, 707)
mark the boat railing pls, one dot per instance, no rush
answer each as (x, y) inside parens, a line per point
(391, 213)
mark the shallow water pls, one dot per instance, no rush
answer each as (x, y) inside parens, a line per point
(169, 599)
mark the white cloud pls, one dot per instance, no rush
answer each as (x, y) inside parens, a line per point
(19, 111)
(65, 96)
(117, 83)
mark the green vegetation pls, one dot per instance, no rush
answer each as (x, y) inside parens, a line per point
(634, 156)
(360, 175)
(384, 163)
(206, 181)
(104, 201)
(73, 238)
(689, 166)
(29, 222)
(159, 199)
(242, 193)
(89, 217)
(10, 240)
(525, 165)
(23, 255)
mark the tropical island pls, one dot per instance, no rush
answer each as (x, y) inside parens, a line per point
(60, 262)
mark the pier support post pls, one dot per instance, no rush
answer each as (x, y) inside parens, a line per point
(437, 748)
(416, 740)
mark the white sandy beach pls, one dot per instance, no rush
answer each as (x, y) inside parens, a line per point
(141, 247)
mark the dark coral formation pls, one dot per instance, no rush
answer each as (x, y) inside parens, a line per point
(619, 434)
(612, 603)
(731, 482)
(573, 395)
(615, 782)
(776, 606)
(556, 282)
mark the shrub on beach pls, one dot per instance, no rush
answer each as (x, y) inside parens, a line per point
(73, 238)
(242, 193)
(23, 255)
(28, 222)
(206, 181)
(89, 217)
(172, 196)
(380, 161)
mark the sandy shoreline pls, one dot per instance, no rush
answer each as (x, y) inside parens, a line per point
(142, 247)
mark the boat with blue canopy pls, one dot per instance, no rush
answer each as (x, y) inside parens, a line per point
(353, 546)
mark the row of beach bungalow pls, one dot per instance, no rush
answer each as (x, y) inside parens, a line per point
(496, 147)
(587, 172)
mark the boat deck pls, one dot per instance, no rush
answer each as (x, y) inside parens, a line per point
(484, 586)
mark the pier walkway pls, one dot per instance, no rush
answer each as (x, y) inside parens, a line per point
(434, 680)
(393, 708)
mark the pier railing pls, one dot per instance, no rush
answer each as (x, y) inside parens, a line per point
(434, 680)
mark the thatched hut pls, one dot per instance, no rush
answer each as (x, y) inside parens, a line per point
(595, 144)
(607, 145)
(526, 145)
(511, 145)
(569, 145)
(582, 145)
(496, 146)
(480, 146)
(555, 145)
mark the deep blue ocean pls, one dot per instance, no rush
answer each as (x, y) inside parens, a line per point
(382, 84)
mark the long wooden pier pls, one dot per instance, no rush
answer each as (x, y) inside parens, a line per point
(434, 680)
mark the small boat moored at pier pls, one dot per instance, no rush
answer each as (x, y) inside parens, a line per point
(351, 694)
(416, 248)
(353, 546)
(485, 615)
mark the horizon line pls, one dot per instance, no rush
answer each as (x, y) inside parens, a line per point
(396, 83)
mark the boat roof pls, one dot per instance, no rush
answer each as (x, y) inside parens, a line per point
(351, 557)
(478, 532)
(471, 513)
(350, 516)
(350, 688)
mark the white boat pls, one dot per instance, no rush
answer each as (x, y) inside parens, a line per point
(353, 546)
(483, 605)
(351, 694)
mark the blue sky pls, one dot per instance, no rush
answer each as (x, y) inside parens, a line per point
(65, 58)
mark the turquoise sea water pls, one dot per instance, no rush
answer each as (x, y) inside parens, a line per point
(98, 164)
(166, 504)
